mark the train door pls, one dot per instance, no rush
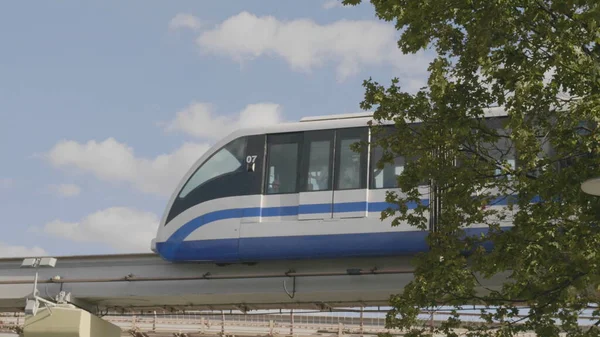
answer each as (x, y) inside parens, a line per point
(384, 180)
(254, 161)
(279, 201)
(316, 194)
(350, 195)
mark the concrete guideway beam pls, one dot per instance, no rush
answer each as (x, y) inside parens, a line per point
(67, 321)
(146, 282)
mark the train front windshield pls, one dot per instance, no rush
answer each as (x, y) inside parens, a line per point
(228, 159)
(223, 174)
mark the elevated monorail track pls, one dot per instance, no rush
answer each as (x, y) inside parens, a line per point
(145, 282)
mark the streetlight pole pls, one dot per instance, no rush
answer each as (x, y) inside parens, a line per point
(32, 302)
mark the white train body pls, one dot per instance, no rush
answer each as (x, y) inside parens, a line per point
(287, 191)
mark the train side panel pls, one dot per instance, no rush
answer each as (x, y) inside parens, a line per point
(295, 194)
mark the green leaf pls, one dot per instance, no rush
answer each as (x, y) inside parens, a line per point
(539, 60)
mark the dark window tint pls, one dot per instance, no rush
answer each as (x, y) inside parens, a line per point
(351, 166)
(318, 161)
(282, 166)
(384, 177)
(502, 151)
(236, 169)
(229, 159)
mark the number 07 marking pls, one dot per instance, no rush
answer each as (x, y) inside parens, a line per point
(251, 159)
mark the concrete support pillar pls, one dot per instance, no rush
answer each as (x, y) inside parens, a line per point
(222, 323)
(431, 313)
(292, 322)
(362, 322)
(67, 321)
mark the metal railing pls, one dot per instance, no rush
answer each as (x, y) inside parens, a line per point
(288, 323)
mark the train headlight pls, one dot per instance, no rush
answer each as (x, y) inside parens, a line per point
(153, 245)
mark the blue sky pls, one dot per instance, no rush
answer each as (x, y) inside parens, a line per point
(104, 106)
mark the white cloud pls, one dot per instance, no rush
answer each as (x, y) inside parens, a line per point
(306, 45)
(183, 20)
(332, 4)
(123, 229)
(111, 160)
(66, 190)
(20, 251)
(199, 120)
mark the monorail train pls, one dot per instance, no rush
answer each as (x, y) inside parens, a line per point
(287, 191)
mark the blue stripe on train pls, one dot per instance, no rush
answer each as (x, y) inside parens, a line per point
(305, 247)
(171, 246)
(175, 248)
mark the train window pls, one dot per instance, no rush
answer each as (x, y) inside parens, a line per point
(224, 174)
(502, 149)
(385, 177)
(351, 166)
(282, 166)
(317, 165)
(229, 159)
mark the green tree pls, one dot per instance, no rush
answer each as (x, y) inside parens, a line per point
(540, 61)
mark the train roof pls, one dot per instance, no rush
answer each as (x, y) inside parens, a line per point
(337, 117)
(490, 112)
(325, 122)
(339, 121)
